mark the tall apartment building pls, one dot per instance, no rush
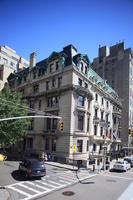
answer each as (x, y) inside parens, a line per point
(65, 85)
(115, 65)
(9, 62)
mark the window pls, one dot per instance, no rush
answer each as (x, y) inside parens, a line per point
(40, 104)
(102, 101)
(1, 74)
(12, 64)
(47, 85)
(47, 144)
(86, 85)
(94, 147)
(29, 142)
(80, 122)
(59, 82)
(85, 69)
(106, 117)
(51, 68)
(4, 61)
(101, 131)
(81, 66)
(31, 104)
(95, 129)
(95, 113)
(54, 124)
(36, 88)
(57, 65)
(101, 115)
(22, 91)
(87, 147)
(96, 97)
(53, 82)
(107, 104)
(31, 127)
(34, 74)
(25, 78)
(80, 101)
(48, 123)
(53, 144)
(88, 123)
(80, 82)
(79, 145)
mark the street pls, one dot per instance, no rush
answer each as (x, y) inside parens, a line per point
(59, 183)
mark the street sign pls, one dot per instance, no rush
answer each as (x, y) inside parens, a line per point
(74, 148)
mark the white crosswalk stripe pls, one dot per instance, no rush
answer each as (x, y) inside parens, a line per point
(31, 189)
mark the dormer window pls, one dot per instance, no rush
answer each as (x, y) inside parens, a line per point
(57, 65)
(81, 67)
(85, 69)
(51, 68)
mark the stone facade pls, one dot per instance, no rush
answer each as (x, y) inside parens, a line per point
(115, 64)
(65, 85)
(9, 62)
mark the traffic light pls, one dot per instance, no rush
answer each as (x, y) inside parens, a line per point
(129, 131)
(60, 125)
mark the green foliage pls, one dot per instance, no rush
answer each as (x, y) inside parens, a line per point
(11, 105)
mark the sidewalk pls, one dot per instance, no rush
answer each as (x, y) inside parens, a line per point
(74, 168)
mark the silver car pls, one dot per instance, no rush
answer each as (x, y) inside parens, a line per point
(121, 166)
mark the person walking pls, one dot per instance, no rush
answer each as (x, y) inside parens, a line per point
(98, 166)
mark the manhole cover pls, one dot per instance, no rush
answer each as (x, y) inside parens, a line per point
(68, 193)
(111, 180)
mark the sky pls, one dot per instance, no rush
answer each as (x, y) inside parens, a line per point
(44, 26)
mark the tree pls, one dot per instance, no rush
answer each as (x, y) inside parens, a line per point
(11, 105)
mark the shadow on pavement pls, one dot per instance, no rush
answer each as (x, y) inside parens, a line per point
(17, 175)
(114, 170)
(20, 176)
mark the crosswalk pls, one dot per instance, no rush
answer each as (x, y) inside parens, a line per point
(27, 190)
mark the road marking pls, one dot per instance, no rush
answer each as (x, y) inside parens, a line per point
(121, 177)
(39, 186)
(20, 191)
(24, 186)
(41, 182)
(48, 185)
(128, 193)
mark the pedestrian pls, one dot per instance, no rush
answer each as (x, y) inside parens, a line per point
(94, 166)
(98, 166)
(42, 157)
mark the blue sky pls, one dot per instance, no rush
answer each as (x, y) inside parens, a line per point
(44, 26)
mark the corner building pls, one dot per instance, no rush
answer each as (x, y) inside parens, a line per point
(65, 85)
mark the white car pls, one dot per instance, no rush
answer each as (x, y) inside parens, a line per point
(121, 166)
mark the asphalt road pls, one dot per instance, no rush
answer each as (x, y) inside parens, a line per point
(60, 183)
(104, 186)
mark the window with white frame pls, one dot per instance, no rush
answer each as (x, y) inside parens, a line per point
(80, 122)
(80, 101)
(79, 145)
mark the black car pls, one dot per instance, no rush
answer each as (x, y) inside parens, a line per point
(32, 168)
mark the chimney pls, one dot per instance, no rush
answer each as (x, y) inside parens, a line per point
(32, 60)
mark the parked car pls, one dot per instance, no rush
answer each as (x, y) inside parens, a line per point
(129, 160)
(32, 168)
(121, 165)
